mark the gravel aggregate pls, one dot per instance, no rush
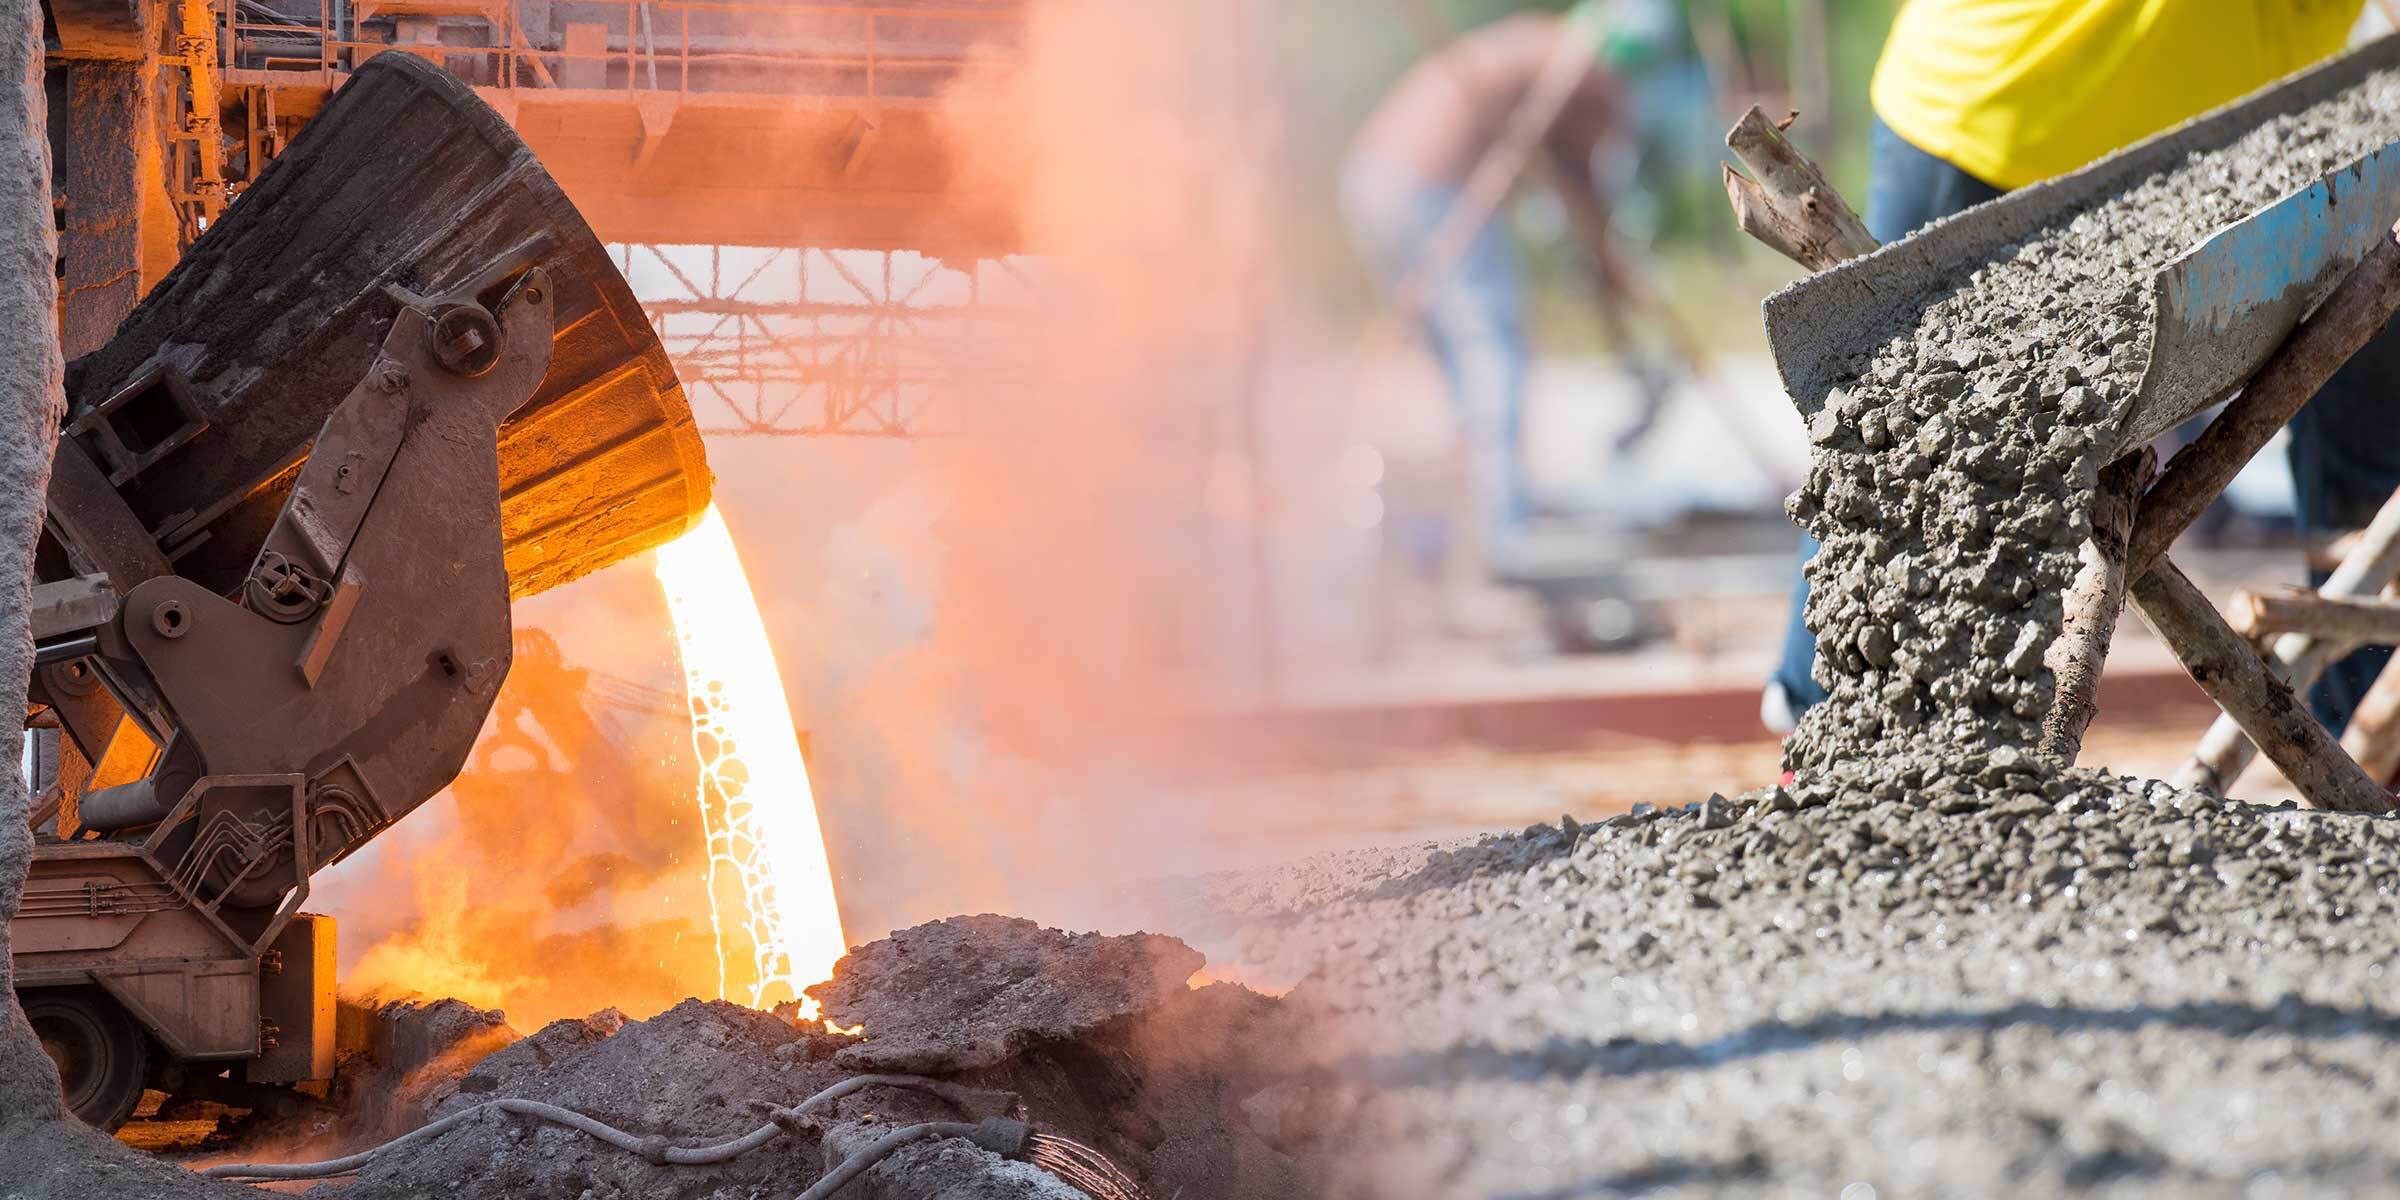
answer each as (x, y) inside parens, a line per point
(1935, 964)
(2065, 983)
(1951, 474)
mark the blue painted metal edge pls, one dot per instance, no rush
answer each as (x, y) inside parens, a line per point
(2227, 304)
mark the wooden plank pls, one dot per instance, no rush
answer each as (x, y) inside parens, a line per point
(2260, 615)
(2358, 309)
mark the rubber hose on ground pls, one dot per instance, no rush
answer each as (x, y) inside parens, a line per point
(651, 1148)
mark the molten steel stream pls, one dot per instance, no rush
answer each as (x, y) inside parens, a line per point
(768, 878)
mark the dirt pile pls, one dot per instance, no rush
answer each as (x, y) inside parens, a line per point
(679, 1075)
(1097, 1039)
(1953, 471)
(1985, 982)
(949, 1169)
(400, 1059)
(972, 992)
(68, 1160)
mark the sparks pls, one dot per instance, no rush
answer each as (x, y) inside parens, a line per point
(768, 878)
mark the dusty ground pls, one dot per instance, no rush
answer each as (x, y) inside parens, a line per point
(2088, 987)
(1451, 1020)
(1106, 1041)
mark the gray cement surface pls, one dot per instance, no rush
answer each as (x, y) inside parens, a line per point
(2042, 985)
(1937, 965)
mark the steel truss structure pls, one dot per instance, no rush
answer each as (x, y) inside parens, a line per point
(797, 342)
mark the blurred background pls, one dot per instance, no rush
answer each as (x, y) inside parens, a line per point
(1159, 438)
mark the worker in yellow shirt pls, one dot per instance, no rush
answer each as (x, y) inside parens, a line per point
(2012, 92)
(1975, 97)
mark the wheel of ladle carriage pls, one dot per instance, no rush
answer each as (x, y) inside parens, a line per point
(101, 1055)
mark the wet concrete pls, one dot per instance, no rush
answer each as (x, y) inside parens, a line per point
(1962, 988)
(1936, 965)
(1953, 469)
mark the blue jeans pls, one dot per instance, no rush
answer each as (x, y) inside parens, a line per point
(2345, 457)
(1475, 324)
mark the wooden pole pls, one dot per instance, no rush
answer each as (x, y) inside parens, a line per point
(2374, 734)
(1790, 206)
(2224, 752)
(2261, 615)
(2359, 308)
(1794, 210)
(2093, 604)
(2229, 669)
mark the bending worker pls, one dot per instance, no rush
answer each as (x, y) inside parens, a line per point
(1405, 177)
(1975, 97)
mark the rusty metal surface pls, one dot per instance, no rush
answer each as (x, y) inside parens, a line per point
(99, 912)
(69, 606)
(278, 310)
(295, 1004)
(302, 718)
(744, 122)
(378, 697)
(895, 52)
(398, 384)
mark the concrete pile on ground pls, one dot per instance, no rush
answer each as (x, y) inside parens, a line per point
(1936, 964)
(1991, 980)
(1092, 1038)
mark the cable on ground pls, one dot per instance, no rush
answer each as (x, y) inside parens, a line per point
(997, 1135)
(651, 1148)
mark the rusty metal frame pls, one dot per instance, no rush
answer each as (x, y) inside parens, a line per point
(811, 342)
(244, 61)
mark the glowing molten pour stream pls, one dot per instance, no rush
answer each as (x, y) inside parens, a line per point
(767, 872)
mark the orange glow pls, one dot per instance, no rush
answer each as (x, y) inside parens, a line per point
(769, 883)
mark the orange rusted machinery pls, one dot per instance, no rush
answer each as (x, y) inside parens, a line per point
(396, 384)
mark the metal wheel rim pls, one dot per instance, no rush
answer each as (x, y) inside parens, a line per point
(78, 1044)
